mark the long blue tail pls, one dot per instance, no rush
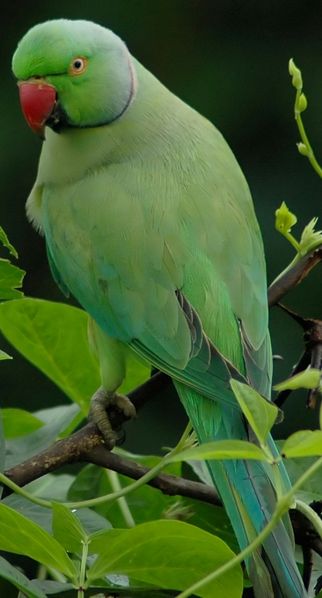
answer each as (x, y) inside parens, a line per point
(247, 491)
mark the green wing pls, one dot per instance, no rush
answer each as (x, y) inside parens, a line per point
(125, 239)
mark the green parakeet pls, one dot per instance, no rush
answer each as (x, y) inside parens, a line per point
(149, 223)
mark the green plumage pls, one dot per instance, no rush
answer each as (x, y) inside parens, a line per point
(149, 223)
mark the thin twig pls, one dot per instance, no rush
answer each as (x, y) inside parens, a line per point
(293, 276)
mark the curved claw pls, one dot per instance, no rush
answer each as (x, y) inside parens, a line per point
(101, 402)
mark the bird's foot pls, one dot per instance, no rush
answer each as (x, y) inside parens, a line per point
(103, 402)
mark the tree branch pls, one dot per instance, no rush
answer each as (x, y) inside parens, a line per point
(293, 276)
(86, 446)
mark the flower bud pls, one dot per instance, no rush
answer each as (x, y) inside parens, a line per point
(295, 74)
(302, 103)
(302, 149)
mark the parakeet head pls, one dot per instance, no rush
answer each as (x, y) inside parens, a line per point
(73, 74)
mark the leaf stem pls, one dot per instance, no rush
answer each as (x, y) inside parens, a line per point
(18, 490)
(82, 573)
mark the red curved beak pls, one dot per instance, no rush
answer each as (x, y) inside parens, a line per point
(37, 99)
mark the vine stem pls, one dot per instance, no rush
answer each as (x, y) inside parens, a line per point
(92, 502)
(122, 502)
(310, 514)
(298, 118)
(282, 506)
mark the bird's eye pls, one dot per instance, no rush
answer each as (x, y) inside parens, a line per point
(78, 65)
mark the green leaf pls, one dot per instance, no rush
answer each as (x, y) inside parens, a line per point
(285, 220)
(58, 419)
(35, 513)
(312, 487)
(309, 378)
(222, 449)
(20, 581)
(170, 554)
(91, 521)
(212, 519)
(5, 241)
(311, 239)
(4, 355)
(53, 336)
(17, 422)
(304, 443)
(51, 487)
(67, 529)
(21, 536)
(260, 413)
(11, 278)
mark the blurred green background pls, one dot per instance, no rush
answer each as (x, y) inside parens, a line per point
(228, 59)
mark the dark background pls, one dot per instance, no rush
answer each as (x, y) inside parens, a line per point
(229, 61)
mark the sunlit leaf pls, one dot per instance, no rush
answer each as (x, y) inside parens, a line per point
(260, 413)
(304, 443)
(222, 449)
(53, 336)
(285, 220)
(309, 378)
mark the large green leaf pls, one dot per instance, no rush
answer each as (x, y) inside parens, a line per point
(22, 536)
(20, 581)
(222, 449)
(260, 413)
(304, 443)
(170, 554)
(53, 336)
